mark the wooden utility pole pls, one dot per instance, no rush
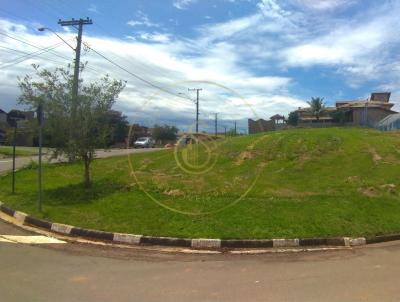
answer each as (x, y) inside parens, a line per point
(216, 124)
(75, 88)
(197, 106)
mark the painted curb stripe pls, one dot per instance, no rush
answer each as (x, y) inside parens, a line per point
(20, 216)
(61, 228)
(285, 242)
(357, 241)
(127, 238)
(38, 222)
(166, 241)
(7, 210)
(92, 234)
(382, 238)
(206, 243)
(235, 243)
(195, 243)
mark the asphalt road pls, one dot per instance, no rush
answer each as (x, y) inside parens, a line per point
(6, 163)
(78, 272)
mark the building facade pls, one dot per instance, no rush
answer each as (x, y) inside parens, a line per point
(351, 112)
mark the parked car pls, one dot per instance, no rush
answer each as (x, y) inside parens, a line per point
(144, 142)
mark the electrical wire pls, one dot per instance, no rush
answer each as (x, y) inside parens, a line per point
(137, 76)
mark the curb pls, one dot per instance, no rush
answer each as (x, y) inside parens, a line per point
(195, 243)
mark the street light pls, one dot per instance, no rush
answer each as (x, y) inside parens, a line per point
(49, 29)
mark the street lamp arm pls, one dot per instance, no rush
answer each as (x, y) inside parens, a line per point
(47, 28)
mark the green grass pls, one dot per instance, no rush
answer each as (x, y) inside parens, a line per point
(307, 182)
(7, 151)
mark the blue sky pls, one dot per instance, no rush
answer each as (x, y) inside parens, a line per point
(274, 54)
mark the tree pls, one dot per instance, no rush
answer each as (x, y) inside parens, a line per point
(165, 133)
(74, 127)
(293, 118)
(317, 106)
(119, 127)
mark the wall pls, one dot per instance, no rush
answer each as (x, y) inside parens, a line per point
(374, 115)
(260, 126)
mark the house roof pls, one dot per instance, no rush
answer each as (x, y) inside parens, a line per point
(2, 111)
(363, 103)
(277, 117)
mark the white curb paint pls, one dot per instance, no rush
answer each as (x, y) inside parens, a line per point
(206, 243)
(5, 240)
(127, 238)
(285, 242)
(31, 239)
(20, 216)
(346, 241)
(358, 241)
(61, 228)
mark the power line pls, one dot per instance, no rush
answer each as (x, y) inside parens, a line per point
(27, 57)
(30, 44)
(135, 75)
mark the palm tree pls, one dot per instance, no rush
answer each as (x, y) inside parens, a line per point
(317, 106)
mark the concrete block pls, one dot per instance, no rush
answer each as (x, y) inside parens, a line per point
(358, 241)
(20, 216)
(206, 243)
(285, 242)
(61, 228)
(127, 238)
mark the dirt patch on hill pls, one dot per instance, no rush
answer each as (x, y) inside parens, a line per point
(375, 155)
(244, 156)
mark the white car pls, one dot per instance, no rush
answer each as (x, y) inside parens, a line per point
(144, 142)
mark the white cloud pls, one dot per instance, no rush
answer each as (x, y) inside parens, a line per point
(183, 4)
(93, 9)
(142, 20)
(322, 5)
(155, 37)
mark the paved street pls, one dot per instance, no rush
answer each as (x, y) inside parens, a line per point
(78, 272)
(6, 163)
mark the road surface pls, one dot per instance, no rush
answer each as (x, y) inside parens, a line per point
(78, 272)
(6, 163)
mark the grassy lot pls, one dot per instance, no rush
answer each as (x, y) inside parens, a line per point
(305, 182)
(7, 151)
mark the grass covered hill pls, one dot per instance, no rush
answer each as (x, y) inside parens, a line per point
(295, 183)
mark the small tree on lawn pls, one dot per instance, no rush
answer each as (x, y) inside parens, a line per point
(77, 136)
(317, 106)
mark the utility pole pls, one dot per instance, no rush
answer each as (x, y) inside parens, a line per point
(40, 122)
(225, 130)
(235, 128)
(13, 162)
(75, 86)
(216, 124)
(197, 106)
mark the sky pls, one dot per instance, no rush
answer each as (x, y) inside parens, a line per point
(252, 58)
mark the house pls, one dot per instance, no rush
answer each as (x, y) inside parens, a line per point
(275, 122)
(351, 112)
